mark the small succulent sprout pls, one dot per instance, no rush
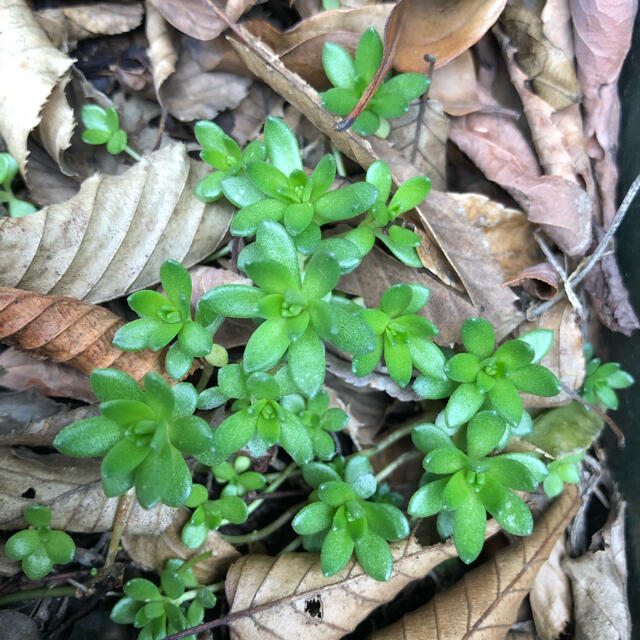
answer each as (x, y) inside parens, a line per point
(379, 223)
(102, 126)
(299, 312)
(601, 380)
(177, 604)
(463, 487)
(258, 420)
(237, 478)
(40, 547)
(223, 153)
(210, 514)
(8, 170)
(142, 436)
(280, 190)
(485, 374)
(165, 317)
(563, 471)
(350, 79)
(341, 520)
(402, 336)
(319, 419)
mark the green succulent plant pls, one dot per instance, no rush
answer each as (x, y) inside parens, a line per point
(351, 77)
(40, 547)
(237, 478)
(601, 381)
(102, 126)
(8, 171)
(561, 471)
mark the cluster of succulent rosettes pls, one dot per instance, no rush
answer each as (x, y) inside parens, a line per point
(102, 126)
(40, 547)
(601, 380)
(490, 378)
(8, 171)
(210, 514)
(142, 435)
(562, 471)
(236, 477)
(176, 605)
(341, 519)
(350, 79)
(402, 336)
(163, 317)
(462, 487)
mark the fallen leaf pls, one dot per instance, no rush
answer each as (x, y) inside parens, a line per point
(288, 597)
(72, 489)
(197, 19)
(489, 595)
(8, 567)
(307, 8)
(19, 408)
(599, 583)
(18, 625)
(551, 600)
(541, 280)
(152, 550)
(250, 115)
(112, 237)
(39, 431)
(162, 52)
(31, 62)
(22, 371)
(455, 85)
(65, 26)
(71, 331)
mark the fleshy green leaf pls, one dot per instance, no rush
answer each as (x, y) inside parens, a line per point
(515, 354)
(368, 55)
(266, 346)
(536, 380)
(409, 85)
(38, 516)
(22, 544)
(478, 337)
(456, 491)
(428, 437)
(346, 203)
(113, 384)
(469, 527)
(307, 362)
(336, 551)
(141, 589)
(540, 340)
(511, 512)
(427, 500)
(445, 460)
(195, 339)
(233, 434)
(322, 275)
(282, 146)
(38, 564)
(506, 400)
(176, 282)
(374, 556)
(90, 437)
(313, 518)
(60, 547)
(233, 300)
(338, 65)
(191, 434)
(463, 404)
(463, 367)
(484, 432)
(339, 100)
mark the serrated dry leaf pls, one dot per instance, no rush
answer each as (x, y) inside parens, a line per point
(22, 371)
(152, 550)
(484, 604)
(551, 600)
(112, 237)
(197, 19)
(599, 583)
(31, 63)
(72, 489)
(288, 597)
(66, 25)
(71, 331)
(162, 51)
(541, 280)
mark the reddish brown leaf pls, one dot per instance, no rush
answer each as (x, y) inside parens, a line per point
(542, 280)
(66, 330)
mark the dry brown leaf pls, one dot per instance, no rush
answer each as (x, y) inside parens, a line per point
(565, 358)
(29, 61)
(112, 237)
(541, 280)
(19, 408)
(307, 8)
(288, 597)
(8, 567)
(599, 583)
(455, 85)
(41, 432)
(152, 550)
(491, 594)
(71, 331)
(66, 25)
(72, 489)
(250, 115)
(162, 51)
(22, 370)
(197, 19)
(551, 600)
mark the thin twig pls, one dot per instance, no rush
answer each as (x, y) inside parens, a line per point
(259, 534)
(119, 522)
(431, 60)
(43, 592)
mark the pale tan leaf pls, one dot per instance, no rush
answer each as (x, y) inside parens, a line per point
(288, 597)
(541, 280)
(455, 85)
(112, 237)
(484, 604)
(152, 550)
(308, 8)
(162, 52)
(565, 358)
(599, 583)
(551, 600)
(30, 62)
(19, 408)
(72, 489)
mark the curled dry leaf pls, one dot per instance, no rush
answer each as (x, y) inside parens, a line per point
(70, 331)
(22, 370)
(541, 280)
(288, 597)
(66, 25)
(162, 52)
(112, 237)
(72, 489)
(31, 62)
(455, 85)
(491, 594)
(599, 583)
(152, 550)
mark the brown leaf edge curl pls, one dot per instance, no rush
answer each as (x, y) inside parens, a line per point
(491, 594)
(71, 331)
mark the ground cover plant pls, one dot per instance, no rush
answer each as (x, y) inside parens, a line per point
(301, 371)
